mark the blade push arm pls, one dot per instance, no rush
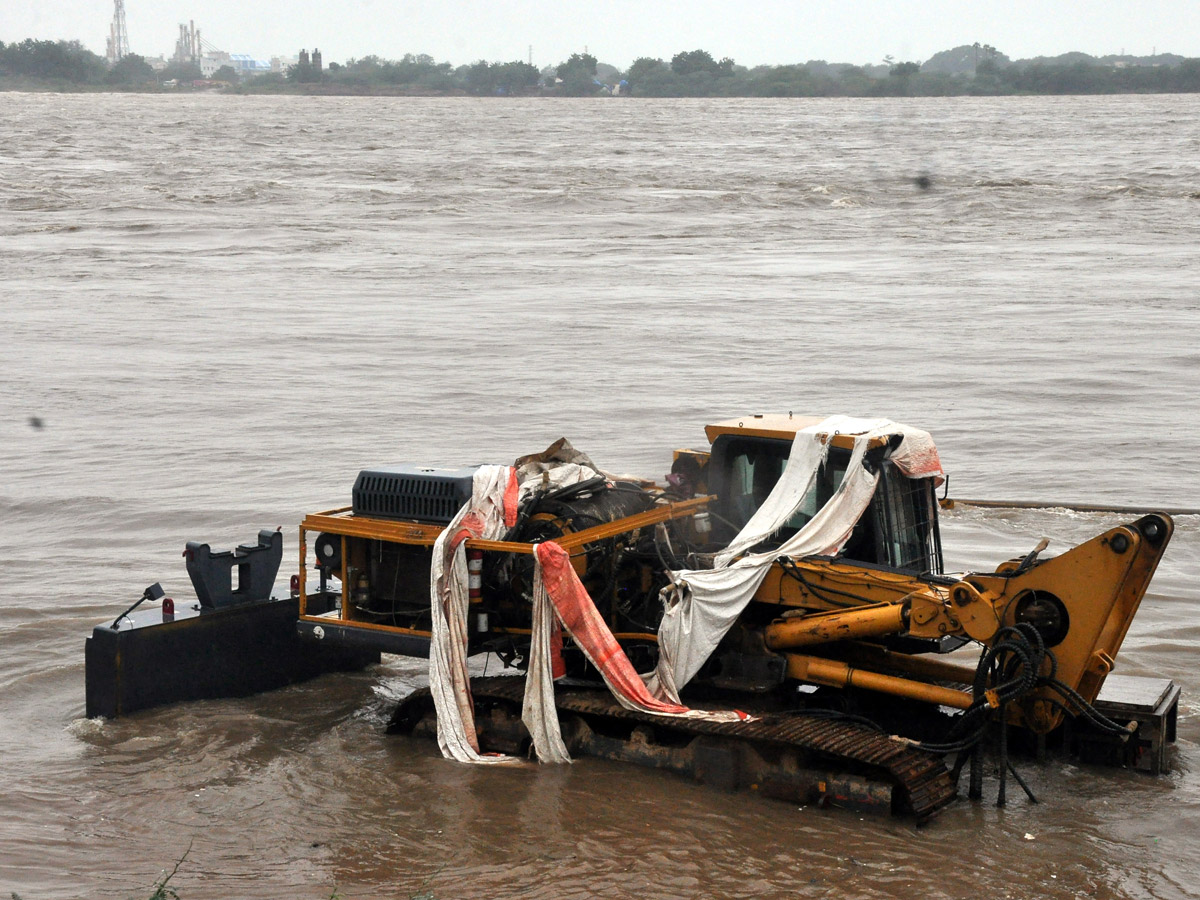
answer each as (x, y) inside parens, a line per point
(1080, 603)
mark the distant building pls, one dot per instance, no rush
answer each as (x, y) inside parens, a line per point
(314, 61)
(210, 62)
(245, 65)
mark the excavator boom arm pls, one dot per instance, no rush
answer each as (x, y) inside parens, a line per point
(1080, 604)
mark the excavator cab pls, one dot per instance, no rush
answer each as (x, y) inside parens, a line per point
(899, 530)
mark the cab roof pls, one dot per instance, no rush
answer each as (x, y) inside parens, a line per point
(780, 426)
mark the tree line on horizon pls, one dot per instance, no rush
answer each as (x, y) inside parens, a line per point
(977, 69)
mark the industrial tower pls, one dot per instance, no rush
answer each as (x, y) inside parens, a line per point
(188, 47)
(118, 36)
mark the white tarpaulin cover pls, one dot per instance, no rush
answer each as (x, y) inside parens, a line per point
(559, 597)
(701, 604)
(490, 512)
(449, 682)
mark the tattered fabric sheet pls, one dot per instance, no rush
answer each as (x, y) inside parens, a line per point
(449, 683)
(497, 492)
(701, 604)
(559, 597)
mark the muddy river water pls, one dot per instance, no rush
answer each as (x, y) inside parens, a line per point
(219, 309)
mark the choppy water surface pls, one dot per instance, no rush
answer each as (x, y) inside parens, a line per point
(223, 307)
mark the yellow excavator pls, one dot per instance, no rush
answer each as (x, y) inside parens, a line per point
(849, 664)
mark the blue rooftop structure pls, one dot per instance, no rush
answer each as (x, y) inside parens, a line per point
(248, 65)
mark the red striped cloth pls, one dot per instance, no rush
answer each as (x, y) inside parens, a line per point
(584, 624)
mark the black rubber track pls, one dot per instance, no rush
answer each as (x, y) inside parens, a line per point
(921, 777)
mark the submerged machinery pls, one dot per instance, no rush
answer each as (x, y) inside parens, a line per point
(798, 563)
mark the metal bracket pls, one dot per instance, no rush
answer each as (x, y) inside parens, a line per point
(212, 573)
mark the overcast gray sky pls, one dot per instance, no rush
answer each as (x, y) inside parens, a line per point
(619, 31)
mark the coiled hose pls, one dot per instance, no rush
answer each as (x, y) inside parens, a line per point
(1009, 670)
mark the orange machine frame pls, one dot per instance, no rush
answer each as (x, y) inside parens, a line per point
(344, 523)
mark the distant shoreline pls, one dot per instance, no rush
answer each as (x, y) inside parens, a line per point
(967, 70)
(425, 94)
(31, 86)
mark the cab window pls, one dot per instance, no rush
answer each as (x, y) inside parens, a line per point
(754, 466)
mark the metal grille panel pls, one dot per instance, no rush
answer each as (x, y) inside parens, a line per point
(421, 493)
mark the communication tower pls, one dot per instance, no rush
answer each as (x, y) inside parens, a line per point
(118, 36)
